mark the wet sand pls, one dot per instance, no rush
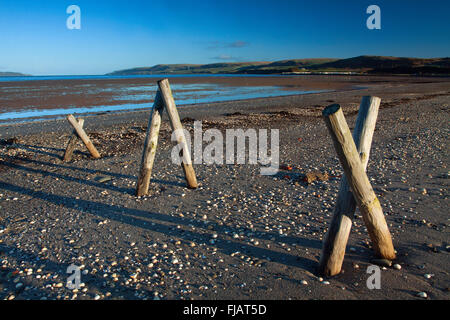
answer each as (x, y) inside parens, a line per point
(55, 94)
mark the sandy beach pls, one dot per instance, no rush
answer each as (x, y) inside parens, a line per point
(241, 235)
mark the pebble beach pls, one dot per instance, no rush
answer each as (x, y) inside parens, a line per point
(240, 235)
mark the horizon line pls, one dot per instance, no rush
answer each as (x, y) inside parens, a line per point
(212, 63)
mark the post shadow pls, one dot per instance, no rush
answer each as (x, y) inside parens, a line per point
(137, 218)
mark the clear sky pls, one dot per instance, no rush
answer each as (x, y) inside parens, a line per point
(120, 34)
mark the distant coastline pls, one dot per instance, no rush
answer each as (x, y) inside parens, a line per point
(13, 74)
(361, 65)
(356, 65)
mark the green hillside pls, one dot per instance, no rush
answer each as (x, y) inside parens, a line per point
(361, 64)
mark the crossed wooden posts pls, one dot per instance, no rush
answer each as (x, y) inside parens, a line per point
(163, 98)
(353, 152)
(355, 188)
(78, 132)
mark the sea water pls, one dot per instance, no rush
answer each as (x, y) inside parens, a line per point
(184, 94)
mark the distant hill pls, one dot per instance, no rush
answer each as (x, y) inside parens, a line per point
(12, 74)
(230, 67)
(395, 65)
(292, 65)
(361, 64)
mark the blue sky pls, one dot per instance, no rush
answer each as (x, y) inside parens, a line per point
(124, 34)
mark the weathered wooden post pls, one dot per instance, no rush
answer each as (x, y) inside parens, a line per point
(359, 182)
(151, 142)
(83, 136)
(72, 143)
(167, 97)
(336, 238)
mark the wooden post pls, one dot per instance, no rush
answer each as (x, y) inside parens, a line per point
(151, 142)
(83, 136)
(72, 143)
(167, 97)
(335, 241)
(359, 182)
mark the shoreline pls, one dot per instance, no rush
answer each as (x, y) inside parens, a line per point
(88, 93)
(306, 103)
(60, 116)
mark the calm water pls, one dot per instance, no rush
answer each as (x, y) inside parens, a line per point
(160, 76)
(184, 94)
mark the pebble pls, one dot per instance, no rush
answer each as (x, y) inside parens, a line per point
(382, 262)
(271, 208)
(422, 295)
(103, 179)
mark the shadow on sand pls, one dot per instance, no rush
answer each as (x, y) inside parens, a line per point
(152, 221)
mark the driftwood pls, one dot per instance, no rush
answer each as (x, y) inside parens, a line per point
(83, 136)
(163, 100)
(72, 143)
(337, 236)
(359, 182)
(169, 103)
(151, 142)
